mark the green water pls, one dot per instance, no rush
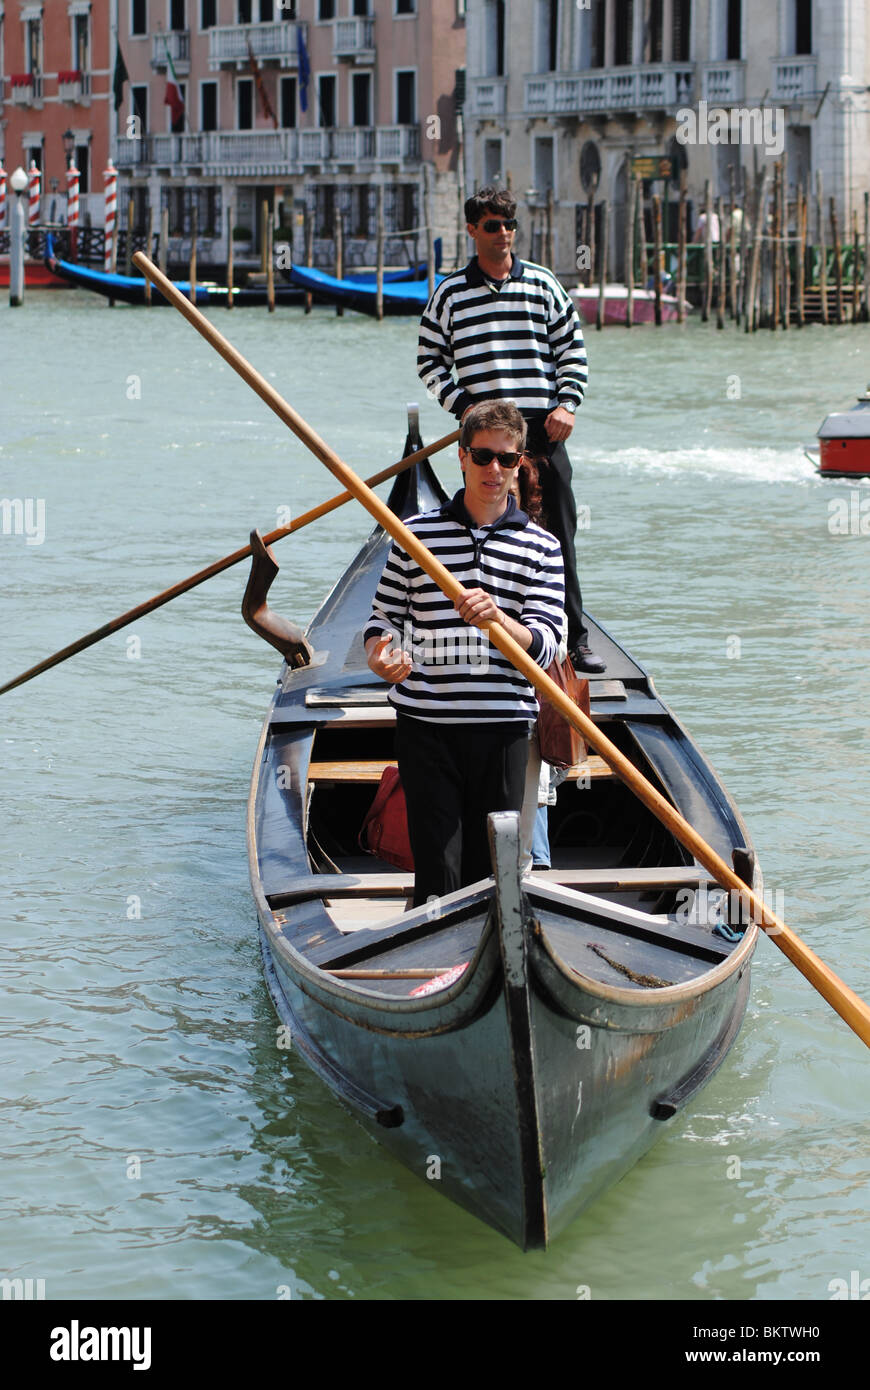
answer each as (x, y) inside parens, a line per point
(146, 1044)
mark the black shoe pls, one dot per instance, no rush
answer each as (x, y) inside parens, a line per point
(584, 659)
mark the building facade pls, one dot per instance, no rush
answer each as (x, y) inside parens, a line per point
(56, 96)
(304, 106)
(562, 94)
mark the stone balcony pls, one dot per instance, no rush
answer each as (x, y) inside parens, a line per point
(370, 145)
(268, 153)
(269, 43)
(603, 91)
(354, 39)
(723, 84)
(793, 80)
(177, 43)
(486, 97)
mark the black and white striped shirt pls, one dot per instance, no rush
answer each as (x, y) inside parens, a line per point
(522, 342)
(458, 676)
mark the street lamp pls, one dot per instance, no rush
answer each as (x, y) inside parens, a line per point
(69, 146)
(17, 233)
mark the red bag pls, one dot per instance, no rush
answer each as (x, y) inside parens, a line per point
(385, 828)
(561, 745)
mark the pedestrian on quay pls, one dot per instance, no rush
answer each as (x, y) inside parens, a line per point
(463, 711)
(510, 331)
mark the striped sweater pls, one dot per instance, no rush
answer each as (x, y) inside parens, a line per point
(522, 342)
(458, 677)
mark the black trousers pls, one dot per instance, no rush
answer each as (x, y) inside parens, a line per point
(453, 776)
(560, 512)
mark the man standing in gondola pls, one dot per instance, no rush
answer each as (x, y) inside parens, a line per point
(510, 331)
(463, 712)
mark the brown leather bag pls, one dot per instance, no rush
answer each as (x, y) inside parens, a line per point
(561, 745)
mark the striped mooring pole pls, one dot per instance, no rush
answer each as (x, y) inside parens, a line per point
(110, 178)
(72, 206)
(34, 188)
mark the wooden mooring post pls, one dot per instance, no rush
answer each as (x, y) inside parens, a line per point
(801, 220)
(723, 258)
(590, 234)
(838, 259)
(865, 308)
(730, 242)
(856, 252)
(708, 251)
(270, 262)
(430, 229)
(743, 267)
(164, 240)
(150, 226)
(193, 238)
(230, 248)
(823, 250)
(338, 235)
(776, 234)
(786, 244)
(602, 280)
(628, 250)
(681, 248)
(379, 292)
(128, 248)
(657, 254)
(309, 254)
(752, 292)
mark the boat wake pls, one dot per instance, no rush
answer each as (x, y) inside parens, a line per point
(760, 464)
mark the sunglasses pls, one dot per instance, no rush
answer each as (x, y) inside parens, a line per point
(484, 457)
(493, 224)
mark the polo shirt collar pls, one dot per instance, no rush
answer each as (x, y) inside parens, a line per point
(475, 276)
(511, 516)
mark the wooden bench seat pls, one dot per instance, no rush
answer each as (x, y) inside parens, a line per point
(399, 885)
(372, 770)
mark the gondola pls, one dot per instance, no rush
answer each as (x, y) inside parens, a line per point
(391, 277)
(522, 1042)
(399, 297)
(130, 289)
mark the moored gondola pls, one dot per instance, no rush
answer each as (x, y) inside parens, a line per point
(525, 1039)
(131, 289)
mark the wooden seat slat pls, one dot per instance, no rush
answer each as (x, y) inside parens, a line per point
(355, 770)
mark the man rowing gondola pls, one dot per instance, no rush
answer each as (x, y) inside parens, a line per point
(462, 722)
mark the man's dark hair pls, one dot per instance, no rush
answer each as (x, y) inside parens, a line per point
(493, 415)
(495, 202)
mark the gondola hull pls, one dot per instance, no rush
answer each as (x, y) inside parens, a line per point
(408, 297)
(130, 289)
(583, 1012)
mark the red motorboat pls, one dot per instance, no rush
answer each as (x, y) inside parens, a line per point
(844, 441)
(37, 275)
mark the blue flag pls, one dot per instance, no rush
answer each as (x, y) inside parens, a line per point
(304, 68)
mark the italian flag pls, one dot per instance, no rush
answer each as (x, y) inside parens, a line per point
(173, 98)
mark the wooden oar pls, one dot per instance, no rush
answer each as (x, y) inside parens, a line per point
(848, 1005)
(133, 614)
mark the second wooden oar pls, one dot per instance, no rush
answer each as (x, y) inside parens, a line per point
(134, 614)
(852, 1009)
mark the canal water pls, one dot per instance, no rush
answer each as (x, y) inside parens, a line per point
(156, 1142)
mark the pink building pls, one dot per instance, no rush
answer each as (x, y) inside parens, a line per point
(56, 69)
(305, 105)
